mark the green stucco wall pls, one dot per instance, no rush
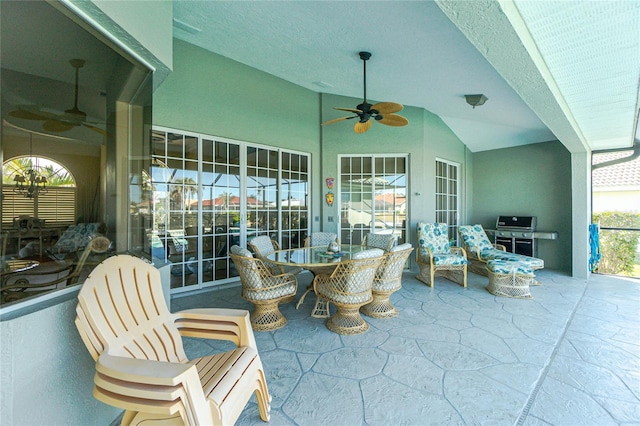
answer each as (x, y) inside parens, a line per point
(424, 139)
(211, 94)
(531, 180)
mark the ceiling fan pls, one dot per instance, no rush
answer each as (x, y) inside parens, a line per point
(382, 112)
(59, 122)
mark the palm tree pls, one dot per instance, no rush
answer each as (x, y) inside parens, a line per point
(186, 186)
(56, 174)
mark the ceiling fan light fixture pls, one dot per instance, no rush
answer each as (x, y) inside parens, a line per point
(476, 100)
(382, 112)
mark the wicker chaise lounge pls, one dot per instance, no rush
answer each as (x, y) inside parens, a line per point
(480, 250)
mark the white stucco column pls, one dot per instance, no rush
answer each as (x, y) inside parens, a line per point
(581, 213)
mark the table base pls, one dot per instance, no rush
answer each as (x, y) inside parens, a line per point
(320, 309)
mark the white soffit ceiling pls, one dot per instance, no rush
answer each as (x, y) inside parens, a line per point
(420, 58)
(592, 50)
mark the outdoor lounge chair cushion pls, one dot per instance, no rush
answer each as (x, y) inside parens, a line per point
(476, 240)
(75, 237)
(434, 236)
(382, 241)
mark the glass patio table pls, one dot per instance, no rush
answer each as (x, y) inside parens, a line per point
(13, 266)
(317, 260)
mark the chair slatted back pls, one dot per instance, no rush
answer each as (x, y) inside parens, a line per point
(121, 305)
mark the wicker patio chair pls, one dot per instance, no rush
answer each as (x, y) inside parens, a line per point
(320, 239)
(388, 279)
(141, 365)
(436, 256)
(381, 241)
(481, 250)
(349, 288)
(263, 289)
(262, 247)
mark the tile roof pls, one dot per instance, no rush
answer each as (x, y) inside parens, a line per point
(624, 174)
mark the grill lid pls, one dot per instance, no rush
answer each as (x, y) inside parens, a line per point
(516, 222)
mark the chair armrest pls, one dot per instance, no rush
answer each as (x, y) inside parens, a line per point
(142, 370)
(421, 258)
(215, 323)
(459, 250)
(151, 386)
(500, 247)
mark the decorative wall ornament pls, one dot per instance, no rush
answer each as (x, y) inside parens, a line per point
(330, 182)
(329, 198)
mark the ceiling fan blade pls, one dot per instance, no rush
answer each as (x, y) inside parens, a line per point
(387, 107)
(353, 110)
(335, 120)
(28, 115)
(361, 127)
(57, 126)
(393, 120)
(95, 129)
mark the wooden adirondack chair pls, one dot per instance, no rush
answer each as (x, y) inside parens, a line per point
(141, 366)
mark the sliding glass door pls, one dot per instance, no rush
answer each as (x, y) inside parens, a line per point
(373, 196)
(211, 193)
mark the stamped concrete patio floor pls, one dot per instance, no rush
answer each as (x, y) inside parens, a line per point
(569, 356)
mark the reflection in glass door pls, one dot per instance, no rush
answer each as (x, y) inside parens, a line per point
(220, 207)
(447, 191)
(373, 197)
(211, 193)
(174, 179)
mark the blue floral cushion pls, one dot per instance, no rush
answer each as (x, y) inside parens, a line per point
(508, 267)
(434, 236)
(495, 254)
(449, 259)
(474, 238)
(75, 237)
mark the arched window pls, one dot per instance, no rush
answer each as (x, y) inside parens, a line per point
(38, 187)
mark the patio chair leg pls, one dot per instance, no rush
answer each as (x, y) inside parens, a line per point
(347, 320)
(267, 316)
(380, 307)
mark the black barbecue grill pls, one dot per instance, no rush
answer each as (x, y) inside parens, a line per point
(518, 234)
